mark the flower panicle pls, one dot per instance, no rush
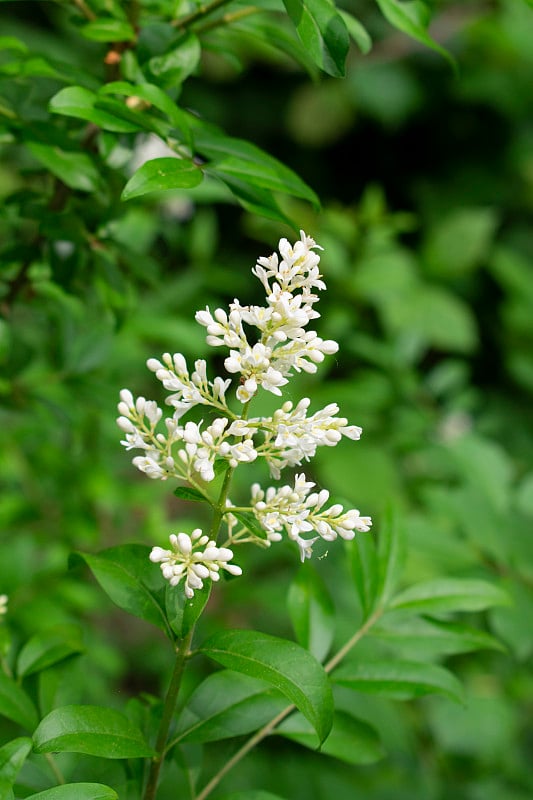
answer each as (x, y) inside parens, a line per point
(265, 346)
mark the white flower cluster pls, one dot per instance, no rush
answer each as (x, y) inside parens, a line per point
(281, 344)
(298, 511)
(3, 604)
(194, 558)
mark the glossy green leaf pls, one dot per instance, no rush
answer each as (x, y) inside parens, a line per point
(357, 32)
(255, 200)
(450, 594)
(322, 31)
(182, 612)
(401, 680)
(411, 17)
(174, 66)
(77, 791)
(92, 730)
(284, 665)
(78, 102)
(250, 522)
(12, 757)
(189, 493)
(154, 95)
(15, 703)
(49, 647)
(108, 30)
(351, 740)
(228, 704)
(131, 580)
(391, 556)
(312, 612)
(162, 174)
(238, 160)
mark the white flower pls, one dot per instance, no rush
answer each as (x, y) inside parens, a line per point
(297, 511)
(3, 604)
(195, 558)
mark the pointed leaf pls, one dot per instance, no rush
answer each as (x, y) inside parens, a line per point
(412, 18)
(351, 740)
(357, 32)
(15, 703)
(12, 757)
(284, 665)
(391, 556)
(132, 582)
(92, 730)
(322, 31)
(78, 102)
(77, 791)
(424, 638)
(450, 594)
(312, 612)
(174, 66)
(108, 30)
(401, 680)
(182, 612)
(249, 521)
(228, 704)
(189, 493)
(49, 647)
(162, 174)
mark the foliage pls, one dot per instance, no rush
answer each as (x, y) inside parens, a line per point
(145, 149)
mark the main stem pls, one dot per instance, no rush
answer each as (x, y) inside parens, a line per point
(166, 719)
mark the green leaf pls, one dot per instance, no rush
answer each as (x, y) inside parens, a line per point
(228, 704)
(401, 680)
(12, 757)
(152, 94)
(75, 168)
(92, 730)
(189, 493)
(162, 174)
(15, 703)
(49, 647)
(391, 556)
(78, 102)
(249, 521)
(283, 664)
(364, 565)
(450, 594)
(108, 30)
(426, 638)
(132, 582)
(255, 200)
(312, 612)
(412, 18)
(322, 31)
(183, 613)
(357, 32)
(173, 67)
(235, 160)
(351, 740)
(77, 791)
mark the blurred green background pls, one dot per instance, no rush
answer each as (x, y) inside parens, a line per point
(426, 181)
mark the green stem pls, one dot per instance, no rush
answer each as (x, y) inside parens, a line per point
(267, 729)
(203, 11)
(166, 719)
(87, 12)
(55, 769)
(227, 19)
